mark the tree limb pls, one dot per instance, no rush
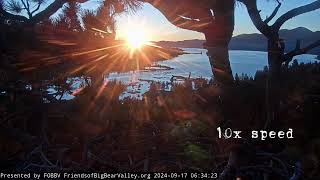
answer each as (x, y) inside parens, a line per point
(183, 14)
(51, 9)
(37, 8)
(46, 13)
(26, 7)
(296, 12)
(12, 16)
(255, 16)
(298, 51)
(274, 13)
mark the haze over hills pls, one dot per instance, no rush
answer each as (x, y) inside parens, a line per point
(257, 42)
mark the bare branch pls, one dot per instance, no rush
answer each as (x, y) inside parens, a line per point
(24, 4)
(255, 16)
(37, 8)
(296, 12)
(26, 7)
(274, 13)
(298, 51)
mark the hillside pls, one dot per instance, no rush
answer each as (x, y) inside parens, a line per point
(257, 42)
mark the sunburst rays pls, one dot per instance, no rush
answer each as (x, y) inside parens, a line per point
(78, 59)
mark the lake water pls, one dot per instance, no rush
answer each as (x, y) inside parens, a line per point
(197, 65)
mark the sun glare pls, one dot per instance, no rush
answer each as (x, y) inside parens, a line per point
(136, 38)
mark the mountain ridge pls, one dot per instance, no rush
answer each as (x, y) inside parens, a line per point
(256, 41)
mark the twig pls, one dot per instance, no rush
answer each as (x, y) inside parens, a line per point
(274, 13)
(296, 12)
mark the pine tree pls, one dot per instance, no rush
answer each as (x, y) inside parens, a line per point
(69, 18)
(237, 79)
(103, 18)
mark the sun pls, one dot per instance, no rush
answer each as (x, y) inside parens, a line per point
(136, 38)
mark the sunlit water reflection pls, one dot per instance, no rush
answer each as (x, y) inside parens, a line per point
(195, 65)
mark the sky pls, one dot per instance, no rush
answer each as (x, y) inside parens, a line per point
(159, 28)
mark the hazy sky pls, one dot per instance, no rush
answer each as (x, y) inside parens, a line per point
(160, 28)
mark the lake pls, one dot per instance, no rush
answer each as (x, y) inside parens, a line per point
(197, 65)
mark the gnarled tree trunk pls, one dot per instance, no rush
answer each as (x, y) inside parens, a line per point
(220, 65)
(218, 36)
(213, 18)
(275, 53)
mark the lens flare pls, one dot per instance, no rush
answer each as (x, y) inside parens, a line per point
(136, 38)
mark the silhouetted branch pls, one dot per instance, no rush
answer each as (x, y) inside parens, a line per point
(255, 16)
(28, 4)
(274, 13)
(12, 16)
(37, 8)
(46, 13)
(298, 51)
(296, 12)
(26, 7)
(51, 9)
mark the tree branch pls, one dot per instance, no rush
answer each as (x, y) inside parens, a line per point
(12, 16)
(255, 16)
(26, 7)
(46, 13)
(38, 7)
(51, 9)
(179, 14)
(296, 12)
(274, 13)
(298, 51)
